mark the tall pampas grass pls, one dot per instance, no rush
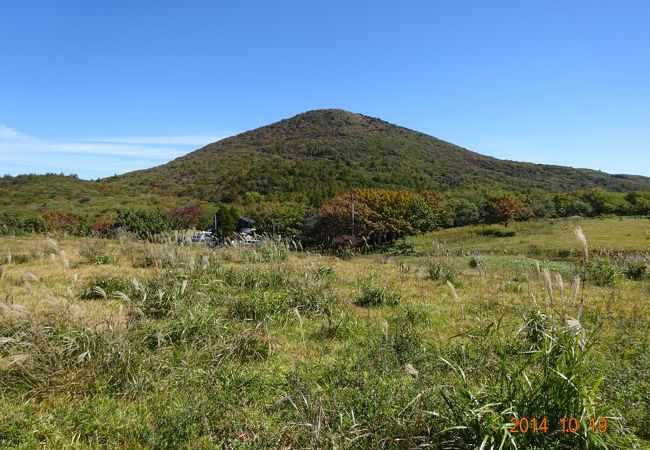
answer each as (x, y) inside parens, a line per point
(454, 294)
(583, 243)
(101, 292)
(53, 244)
(58, 250)
(575, 288)
(64, 259)
(548, 282)
(452, 289)
(560, 284)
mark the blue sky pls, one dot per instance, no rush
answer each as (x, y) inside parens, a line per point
(98, 88)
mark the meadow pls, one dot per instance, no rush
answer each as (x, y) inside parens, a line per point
(455, 341)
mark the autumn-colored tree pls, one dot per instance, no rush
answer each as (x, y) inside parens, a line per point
(185, 217)
(502, 209)
(381, 215)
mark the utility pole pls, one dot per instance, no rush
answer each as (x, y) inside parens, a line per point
(216, 228)
(352, 210)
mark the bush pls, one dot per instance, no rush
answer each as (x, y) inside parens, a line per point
(553, 379)
(635, 269)
(400, 248)
(497, 233)
(465, 212)
(97, 255)
(144, 224)
(502, 209)
(377, 296)
(601, 272)
(438, 271)
(18, 258)
(275, 218)
(381, 216)
(273, 251)
(476, 261)
(107, 285)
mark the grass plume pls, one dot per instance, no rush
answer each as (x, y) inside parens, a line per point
(582, 239)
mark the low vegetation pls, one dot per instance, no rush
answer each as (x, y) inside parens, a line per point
(456, 344)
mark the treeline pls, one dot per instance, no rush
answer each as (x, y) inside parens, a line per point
(381, 215)
(142, 223)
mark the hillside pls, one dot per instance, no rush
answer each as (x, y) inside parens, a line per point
(319, 153)
(309, 157)
(54, 193)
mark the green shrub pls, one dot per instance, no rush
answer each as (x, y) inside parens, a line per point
(107, 285)
(312, 296)
(144, 224)
(334, 326)
(476, 261)
(404, 337)
(15, 258)
(635, 270)
(498, 233)
(257, 306)
(377, 296)
(601, 272)
(323, 272)
(273, 251)
(400, 247)
(549, 377)
(438, 271)
(97, 255)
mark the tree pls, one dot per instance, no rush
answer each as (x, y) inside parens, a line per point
(381, 216)
(145, 224)
(227, 217)
(569, 205)
(278, 218)
(185, 217)
(465, 212)
(639, 205)
(502, 209)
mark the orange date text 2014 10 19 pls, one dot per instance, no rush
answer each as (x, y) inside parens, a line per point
(564, 425)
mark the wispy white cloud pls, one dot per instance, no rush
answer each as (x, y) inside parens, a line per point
(157, 140)
(91, 157)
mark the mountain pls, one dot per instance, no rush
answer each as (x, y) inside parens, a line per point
(317, 154)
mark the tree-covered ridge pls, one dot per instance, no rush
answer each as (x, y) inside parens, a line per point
(288, 174)
(318, 154)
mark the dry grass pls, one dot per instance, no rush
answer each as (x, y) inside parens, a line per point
(253, 327)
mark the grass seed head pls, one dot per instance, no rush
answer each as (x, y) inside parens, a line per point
(452, 289)
(548, 282)
(560, 284)
(583, 243)
(64, 259)
(575, 288)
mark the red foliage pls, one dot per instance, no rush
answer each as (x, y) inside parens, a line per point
(185, 216)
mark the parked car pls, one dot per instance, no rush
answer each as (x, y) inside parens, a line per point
(205, 237)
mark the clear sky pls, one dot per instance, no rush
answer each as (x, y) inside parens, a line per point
(103, 87)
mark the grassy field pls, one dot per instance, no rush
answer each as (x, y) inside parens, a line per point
(544, 238)
(120, 344)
